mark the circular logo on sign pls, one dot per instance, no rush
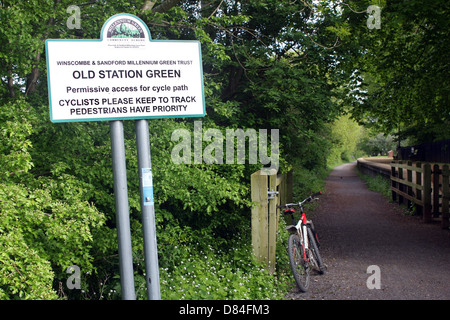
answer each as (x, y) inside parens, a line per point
(125, 28)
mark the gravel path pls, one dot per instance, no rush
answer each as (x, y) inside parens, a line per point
(359, 228)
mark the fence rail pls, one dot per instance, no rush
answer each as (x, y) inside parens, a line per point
(424, 184)
(268, 191)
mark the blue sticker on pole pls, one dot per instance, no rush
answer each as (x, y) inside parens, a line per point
(147, 186)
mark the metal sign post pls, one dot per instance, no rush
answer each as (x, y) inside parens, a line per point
(122, 213)
(148, 210)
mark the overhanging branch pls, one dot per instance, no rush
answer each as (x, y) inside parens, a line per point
(163, 7)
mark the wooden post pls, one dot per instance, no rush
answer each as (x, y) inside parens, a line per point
(393, 184)
(427, 193)
(265, 214)
(409, 188)
(282, 182)
(273, 225)
(259, 216)
(419, 209)
(436, 173)
(282, 192)
(400, 185)
(445, 197)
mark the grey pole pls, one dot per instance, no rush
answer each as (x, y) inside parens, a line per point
(122, 211)
(148, 210)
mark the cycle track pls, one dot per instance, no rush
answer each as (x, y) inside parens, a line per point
(359, 228)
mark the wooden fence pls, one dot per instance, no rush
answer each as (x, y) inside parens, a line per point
(268, 191)
(424, 184)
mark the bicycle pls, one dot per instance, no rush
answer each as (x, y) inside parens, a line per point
(303, 244)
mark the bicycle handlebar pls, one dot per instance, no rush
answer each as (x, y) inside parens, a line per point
(309, 199)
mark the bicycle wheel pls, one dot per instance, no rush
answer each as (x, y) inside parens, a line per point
(299, 266)
(314, 257)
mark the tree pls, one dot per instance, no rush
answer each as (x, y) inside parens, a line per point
(346, 134)
(404, 68)
(378, 145)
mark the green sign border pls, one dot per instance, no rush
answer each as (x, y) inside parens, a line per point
(122, 117)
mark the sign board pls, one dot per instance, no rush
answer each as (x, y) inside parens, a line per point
(124, 75)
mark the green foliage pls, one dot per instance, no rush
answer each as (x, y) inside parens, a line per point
(378, 184)
(41, 234)
(307, 182)
(404, 69)
(23, 273)
(211, 273)
(15, 130)
(346, 134)
(378, 145)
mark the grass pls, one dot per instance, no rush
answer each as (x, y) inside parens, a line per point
(382, 185)
(378, 184)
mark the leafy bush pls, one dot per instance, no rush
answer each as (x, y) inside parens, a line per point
(40, 235)
(378, 184)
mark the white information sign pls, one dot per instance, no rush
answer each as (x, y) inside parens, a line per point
(124, 75)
